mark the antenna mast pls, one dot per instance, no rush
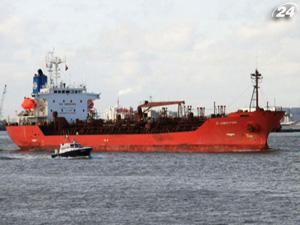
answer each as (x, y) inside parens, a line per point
(52, 64)
(255, 77)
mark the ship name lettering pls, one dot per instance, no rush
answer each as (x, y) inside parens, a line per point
(226, 123)
(70, 104)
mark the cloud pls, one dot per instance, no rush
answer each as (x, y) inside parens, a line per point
(167, 49)
(267, 29)
(176, 37)
(8, 25)
(125, 91)
(176, 62)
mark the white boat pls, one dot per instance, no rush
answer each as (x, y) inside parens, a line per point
(287, 120)
(72, 149)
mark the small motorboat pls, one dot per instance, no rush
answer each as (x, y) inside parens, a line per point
(72, 149)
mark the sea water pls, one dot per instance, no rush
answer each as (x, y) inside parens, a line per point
(152, 188)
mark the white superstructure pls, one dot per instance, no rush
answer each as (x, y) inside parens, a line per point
(68, 102)
(56, 97)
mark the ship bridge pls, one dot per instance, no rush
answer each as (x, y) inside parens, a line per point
(59, 99)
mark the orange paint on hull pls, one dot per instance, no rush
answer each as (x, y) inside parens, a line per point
(237, 132)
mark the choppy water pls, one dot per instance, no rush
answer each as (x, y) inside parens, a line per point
(126, 188)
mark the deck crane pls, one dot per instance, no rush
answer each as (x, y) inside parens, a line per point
(2, 100)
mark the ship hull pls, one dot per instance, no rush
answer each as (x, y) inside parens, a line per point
(236, 132)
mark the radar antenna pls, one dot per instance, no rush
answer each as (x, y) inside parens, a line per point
(255, 77)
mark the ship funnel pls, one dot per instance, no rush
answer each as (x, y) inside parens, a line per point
(39, 81)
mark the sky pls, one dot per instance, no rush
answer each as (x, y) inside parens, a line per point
(192, 50)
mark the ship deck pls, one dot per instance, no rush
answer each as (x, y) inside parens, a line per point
(163, 125)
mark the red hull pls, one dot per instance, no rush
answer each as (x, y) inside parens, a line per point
(237, 132)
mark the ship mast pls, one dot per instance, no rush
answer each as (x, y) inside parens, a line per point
(52, 64)
(255, 77)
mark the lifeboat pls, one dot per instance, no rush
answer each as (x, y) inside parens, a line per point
(29, 104)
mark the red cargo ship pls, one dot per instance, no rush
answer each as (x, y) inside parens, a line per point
(56, 110)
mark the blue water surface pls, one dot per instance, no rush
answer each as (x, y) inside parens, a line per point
(156, 188)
